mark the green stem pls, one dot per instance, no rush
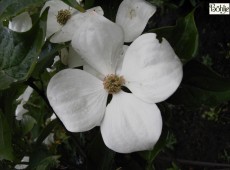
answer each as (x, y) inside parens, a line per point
(195, 163)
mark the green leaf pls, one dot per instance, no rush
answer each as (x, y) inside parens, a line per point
(39, 111)
(6, 150)
(151, 155)
(74, 4)
(201, 86)
(46, 57)
(46, 131)
(5, 80)
(10, 8)
(174, 167)
(27, 123)
(41, 159)
(48, 163)
(19, 52)
(106, 158)
(110, 8)
(89, 4)
(8, 102)
(183, 37)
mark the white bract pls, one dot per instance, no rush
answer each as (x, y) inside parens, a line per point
(21, 23)
(25, 160)
(63, 20)
(131, 121)
(132, 16)
(49, 140)
(20, 110)
(70, 57)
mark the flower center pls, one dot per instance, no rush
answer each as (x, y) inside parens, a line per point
(112, 83)
(63, 16)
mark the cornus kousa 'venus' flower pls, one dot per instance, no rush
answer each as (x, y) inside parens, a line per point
(150, 70)
(63, 20)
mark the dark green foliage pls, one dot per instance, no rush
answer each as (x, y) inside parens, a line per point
(74, 4)
(183, 37)
(201, 86)
(6, 150)
(19, 52)
(11, 8)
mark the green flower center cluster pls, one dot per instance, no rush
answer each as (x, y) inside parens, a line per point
(63, 16)
(112, 83)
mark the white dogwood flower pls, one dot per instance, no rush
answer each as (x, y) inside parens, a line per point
(131, 121)
(63, 20)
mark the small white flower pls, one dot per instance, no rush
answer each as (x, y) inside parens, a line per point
(20, 110)
(53, 117)
(131, 121)
(49, 140)
(63, 20)
(25, 159)
(21, 23)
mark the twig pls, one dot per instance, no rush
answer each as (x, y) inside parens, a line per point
(196, 163)
(41, 93)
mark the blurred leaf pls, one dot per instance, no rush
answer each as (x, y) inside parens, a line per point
(73, 155)
(45, 78)
(19, 52)
(106, 159)
(201, 86)
(46, 57)
(89, 4)
(27, 123)
(166, 3)
(6, 150)
(38, 109)
(109, 7)
(4, 165)
(40, 159)
(174, 167)
(183, 37)
(46, 131)
(48, 163)
(150, 156)
(8, 102)
(74, 4)
(194, 2)
(10, 8)
(7, 106)
(5, 80)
